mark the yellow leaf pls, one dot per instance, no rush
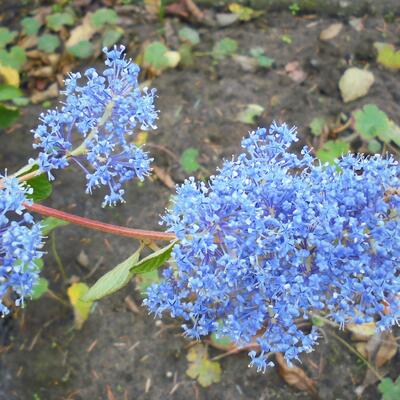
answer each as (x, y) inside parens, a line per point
(153, 6)
(173, 58)
(244, 13)
(81, 308)
(10, 75)
(387, 55)
(141, 138)
(362, 332)
(201, 368)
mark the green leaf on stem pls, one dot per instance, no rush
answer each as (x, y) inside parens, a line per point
(50, 223)
(40, 288)
(7, 115)
(188, 160)
(41, 188)
(113, 280)
(331, 150)
(9, 92)
(390, 390)
(154, 260)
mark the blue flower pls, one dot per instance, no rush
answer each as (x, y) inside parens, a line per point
(103, 114)
(275, 236)
(20, 244)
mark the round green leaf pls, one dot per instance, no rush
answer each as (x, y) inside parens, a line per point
(83, 49)
(189, 35)
(9, 92)
(7, 115)
(6, 36)
(154, 55)
(111, 36)
(331, 150)
(30, 26)
(56, 21)
(48, 43)
(104, 16)
(15, 58)
(188, 160)
(374, 146)
(371, 121)
(224, 47)
(41, 287)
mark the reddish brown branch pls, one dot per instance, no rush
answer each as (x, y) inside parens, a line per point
(100, 226)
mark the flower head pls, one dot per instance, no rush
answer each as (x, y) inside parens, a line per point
(104, 114)
(275, 236)
(20, 244)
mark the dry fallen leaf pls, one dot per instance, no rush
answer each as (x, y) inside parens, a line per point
(362, 332)
(40, 96)
(84, 31)
(355, 83)
(248, 64)
(164, 177)
(153, 6)
(295, 376)
(331, 31)
(295, 72)
(379, 350)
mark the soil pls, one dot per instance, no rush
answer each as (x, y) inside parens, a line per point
(120, 354)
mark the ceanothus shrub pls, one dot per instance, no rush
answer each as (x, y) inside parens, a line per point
(271, 238)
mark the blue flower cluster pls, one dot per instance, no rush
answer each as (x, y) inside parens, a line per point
(20, 244)
(103, 114)
(276, 236)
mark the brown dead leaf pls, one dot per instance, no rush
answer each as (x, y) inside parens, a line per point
(387, 349)
(185, 9)
(380, 349)
(49, 93)
(295, 376)
(331, 31)
(295, 72)
(164, 177)
(43, 72)
(153, 6)
(84, 31)
(362, 332)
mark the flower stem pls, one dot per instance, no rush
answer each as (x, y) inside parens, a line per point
(100, 226)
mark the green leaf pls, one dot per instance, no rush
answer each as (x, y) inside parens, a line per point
(111, 36)
(331, 150)
(154, 56)
(7, 115)
(249, 114)
(286, 39)
(30, 26)
(56, 21)
(50, 223)
(388, 56)
(244, 13)
(48, 43)
(224, 48)
(185, 52)
(188, 160)
(41, 287)
(104, 16)
(390, 390)
(317, 125)
(143, 281)
(371, 121)
(41, 188)
(113, 280)
(6, 36)
(154, 260)
(189, 35)
(259, 54)
(81, 308)
(374, 146)
(9, 92)
(206, 372)
(83, 49)
(221, 342)
(15, 58)
(39, 263)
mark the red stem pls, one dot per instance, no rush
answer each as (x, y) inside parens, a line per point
(100, 226)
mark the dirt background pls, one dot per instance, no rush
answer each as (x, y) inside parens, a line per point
(131, 355)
